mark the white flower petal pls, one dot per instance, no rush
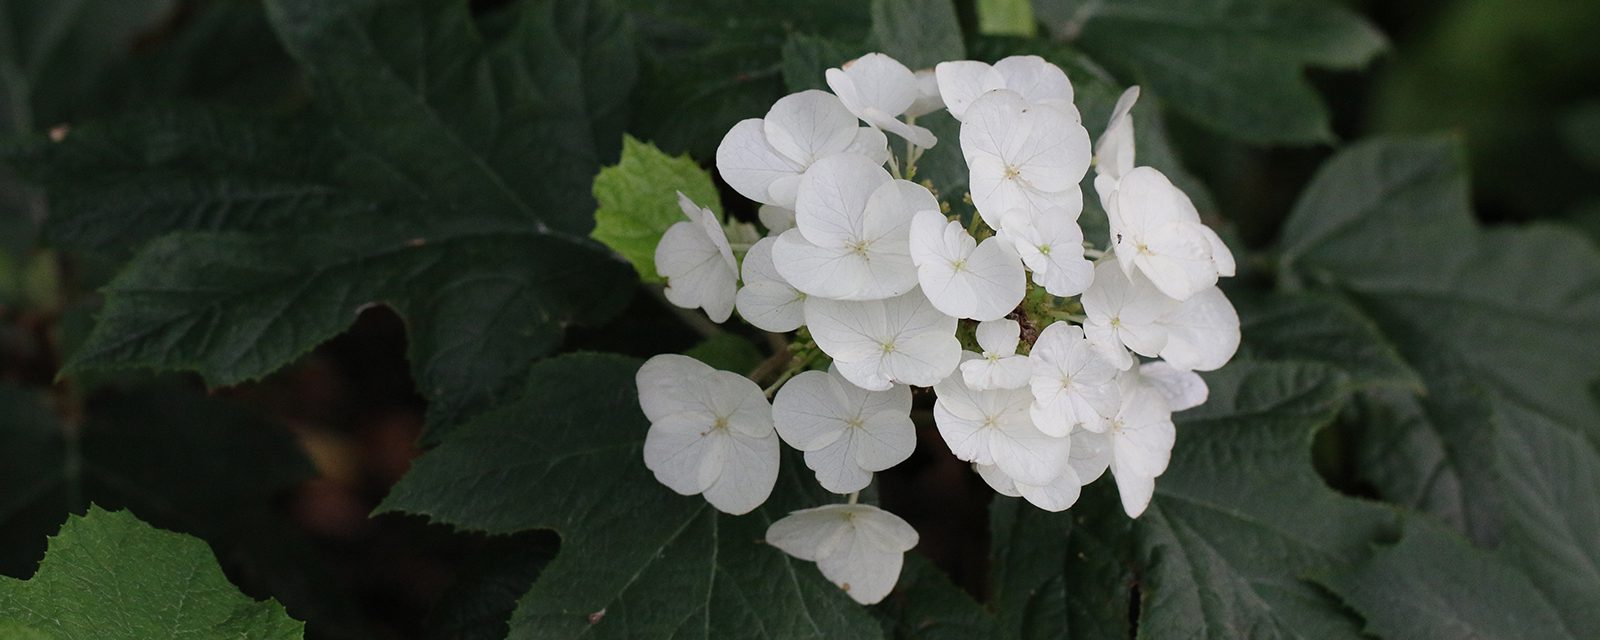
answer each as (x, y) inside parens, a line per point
(767, 300)
(1056, 495)
(928, 99)
(1181, 389)
(997, 480)
(1114, 151)
(775, 218)
(1156, 230)
(749, 164)
(1091, 455)
(836, 468)
(810, 411)
(748, 474)
(846, 432)
(962, 81)
(691, 257)
(1202, 333)
(1142, 432)
(1021, 155)
(808, 126)
(831, 206)
(1051, 244)
(1038, 81)
(874, 81)
(993, 427)
(871, 144)
(1135, 491)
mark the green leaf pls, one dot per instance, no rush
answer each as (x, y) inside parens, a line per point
(1500, 322)
(452, 185)
(1433, 585)
(927, 606)
(807, 58)
(918, 33)
(638, 201)
(108, 575)
(1006, 18)
(727, 352)
(1316, 327)
(1240, 517)
(1236, 66)
(636, 559)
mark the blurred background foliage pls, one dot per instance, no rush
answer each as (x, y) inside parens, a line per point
(279, 475)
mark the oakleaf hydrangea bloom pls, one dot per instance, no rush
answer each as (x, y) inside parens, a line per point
(767, 300)
(763, 158)
(878, 89)
(963, 81)
(851, 238)
(1074, 385)
(697, 262)
(858, 547)
(879, 343)
(710, 432)
(847, 432)
(1022, 156)
(1051, 245)
(999, 366)
(1079, 367)
(965, 278)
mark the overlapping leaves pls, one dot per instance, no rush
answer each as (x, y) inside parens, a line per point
(447, 175)
(1500, 322)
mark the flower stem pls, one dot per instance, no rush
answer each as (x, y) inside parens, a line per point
(854, 495)
(782, 378)
(1094, 254)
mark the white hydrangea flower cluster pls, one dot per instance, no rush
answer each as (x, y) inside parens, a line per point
(1072, 375)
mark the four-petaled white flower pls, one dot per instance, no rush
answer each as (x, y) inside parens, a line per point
(858, 547)
(879, 343)
(993, 427)
(1202, 332)
(851, 239)
(710, 432)
(697, 262)
(1125, 309)
(1074, 385)
(878, 89)
(999, 366)
(1155, 230)
(1051, 244)
(962, 277)
(767, 300)
(961, 82)
(763, 158)
(1022, 156)
(1141, 437)
(846, 432)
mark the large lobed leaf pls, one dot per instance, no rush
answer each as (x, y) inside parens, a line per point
(1500, 324)
(635, 560)
(110, 576)
(448, 177)
(638, 201)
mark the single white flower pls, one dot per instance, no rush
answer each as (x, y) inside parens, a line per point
(1114, 151)
(1141, 437)
(767, 300)
(763, 158)
(846, 432)
(1202, 332)
(851, 239)
(1074, 385)
(710, 432)
(877, 89)
(1022, 156)
(697, 262)
(1125, 309)
(858, 547)
(962, 277)
(961, 82)
(993, 427)
(1180, 388)
(1155, 229)
(928, 100)
(1051, 245)
(880, 343)
(999, 366)
(775, 218)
